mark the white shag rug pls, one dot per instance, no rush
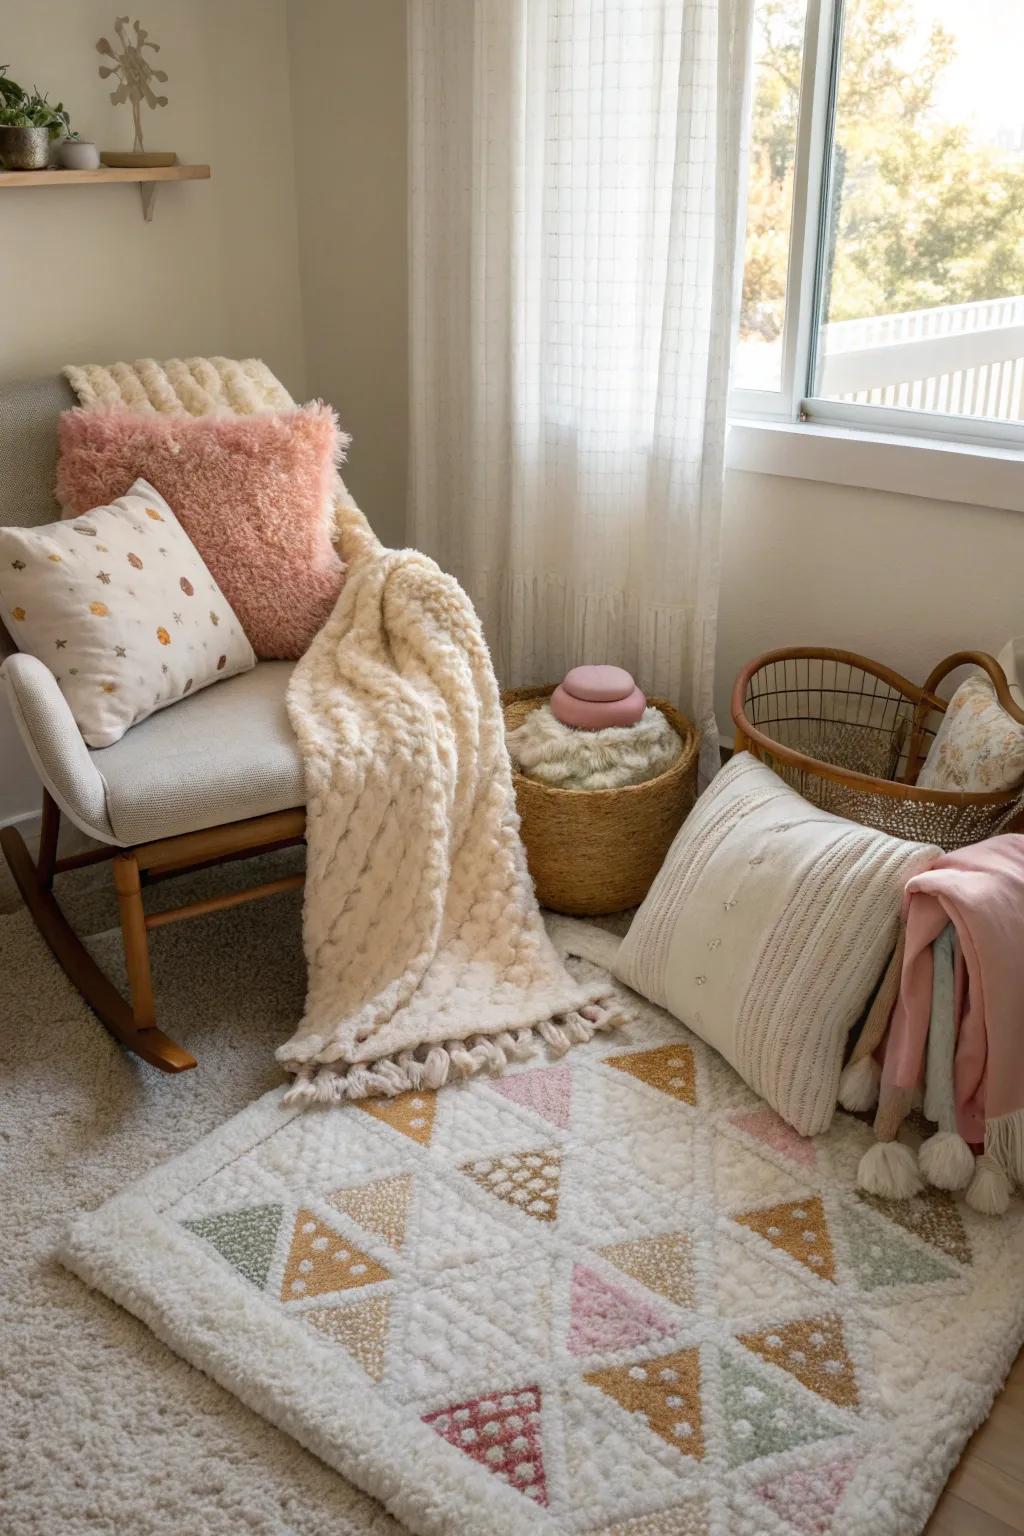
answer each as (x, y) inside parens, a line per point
(103, 1430)
(609, 1295)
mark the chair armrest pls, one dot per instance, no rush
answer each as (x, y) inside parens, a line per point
(54, 743)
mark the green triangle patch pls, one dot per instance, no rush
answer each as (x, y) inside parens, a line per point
(764, 1416)
(880, 1257)
(246, 1238)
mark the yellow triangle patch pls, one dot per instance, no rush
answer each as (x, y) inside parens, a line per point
(411, 1113)
(669, 1068)
(321, 1260)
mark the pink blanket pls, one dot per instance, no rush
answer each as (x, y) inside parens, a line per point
(980, 889)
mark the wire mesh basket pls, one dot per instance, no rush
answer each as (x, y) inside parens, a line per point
(851, 735)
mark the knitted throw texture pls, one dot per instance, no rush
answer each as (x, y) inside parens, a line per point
(426, 951)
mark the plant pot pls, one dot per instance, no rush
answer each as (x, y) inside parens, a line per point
(79, 155)
(24, 149)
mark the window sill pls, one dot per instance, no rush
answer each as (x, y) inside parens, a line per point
(975, 474)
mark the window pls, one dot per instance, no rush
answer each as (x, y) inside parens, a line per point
(884, 258)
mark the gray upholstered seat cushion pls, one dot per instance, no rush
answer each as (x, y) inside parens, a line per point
(222, 755)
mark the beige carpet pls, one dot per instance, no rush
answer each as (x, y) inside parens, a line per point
(102, 1428)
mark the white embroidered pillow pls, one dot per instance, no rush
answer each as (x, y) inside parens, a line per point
(978, 748)
(121, 608)
(766, 930)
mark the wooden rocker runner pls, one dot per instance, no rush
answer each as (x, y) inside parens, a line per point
(212, 778)
(134, 1022)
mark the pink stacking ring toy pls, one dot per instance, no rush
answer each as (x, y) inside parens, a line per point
(593, 698)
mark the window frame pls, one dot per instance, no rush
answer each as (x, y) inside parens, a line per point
(794, 401)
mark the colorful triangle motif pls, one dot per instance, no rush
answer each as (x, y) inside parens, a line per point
(545, 1090)
(770, 1129)
(669, 1067)
(411, 1113)
(604, 1317)
(814, 1351)
(880, 1257)
(321, 1261)
(381, 1207)
(246, 1238)
(527, 1180)
(666, 1392)
(799, 1228)
(501, 1433)
(763, 1416)
(808, 1497)
(361, 1328)
(932, 1216)
(662, 1263)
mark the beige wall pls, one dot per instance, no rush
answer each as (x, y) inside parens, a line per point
(898, 578)
(347, 61)
(83, 278)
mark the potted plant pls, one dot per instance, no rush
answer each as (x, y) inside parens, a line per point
(28, 126)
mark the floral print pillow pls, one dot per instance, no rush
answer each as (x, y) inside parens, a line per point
(979, 748)
(121, 608)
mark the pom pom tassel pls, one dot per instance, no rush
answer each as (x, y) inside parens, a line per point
(889, 1169)
(858, 1086)
(946, 1160)
(990, 1188)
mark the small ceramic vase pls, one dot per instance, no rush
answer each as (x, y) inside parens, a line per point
(79, 155)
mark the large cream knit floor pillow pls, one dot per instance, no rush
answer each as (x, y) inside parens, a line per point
(765, 932)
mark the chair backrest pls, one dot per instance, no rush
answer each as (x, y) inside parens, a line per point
(29, 409)
(28, 456)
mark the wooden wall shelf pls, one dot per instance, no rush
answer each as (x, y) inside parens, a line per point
(146, 177)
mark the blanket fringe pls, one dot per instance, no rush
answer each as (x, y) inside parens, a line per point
(432, 1066)
(1004, 1141)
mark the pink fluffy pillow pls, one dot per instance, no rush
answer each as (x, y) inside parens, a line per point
(253, 493)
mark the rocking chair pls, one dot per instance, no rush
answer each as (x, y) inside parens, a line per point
(215, 777)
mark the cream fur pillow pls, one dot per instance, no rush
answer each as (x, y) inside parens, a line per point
(766, 930)
(121, 608)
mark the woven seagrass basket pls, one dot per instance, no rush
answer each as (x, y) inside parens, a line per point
(593, 851)
(851, 735)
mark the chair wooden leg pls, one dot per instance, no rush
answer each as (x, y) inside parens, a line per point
(81, 969)
(49, 832)
(136, 940)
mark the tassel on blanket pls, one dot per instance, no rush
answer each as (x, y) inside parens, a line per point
(989, 1193)
(889, 1169)
(1000, 1167)
(858, 1085)
(945, 1159)
(437, 1065)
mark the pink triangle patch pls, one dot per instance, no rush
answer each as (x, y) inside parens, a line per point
(809, 1497)
(546, 1090)
(502, 1433)
(766, 1126)
(605, 1317)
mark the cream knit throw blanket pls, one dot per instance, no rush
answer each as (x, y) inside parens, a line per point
(428, 958)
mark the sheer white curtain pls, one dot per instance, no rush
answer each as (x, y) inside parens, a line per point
(575, 187)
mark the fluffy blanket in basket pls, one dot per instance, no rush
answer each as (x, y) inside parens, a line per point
(426, 951)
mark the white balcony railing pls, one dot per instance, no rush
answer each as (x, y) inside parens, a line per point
(960, 359)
